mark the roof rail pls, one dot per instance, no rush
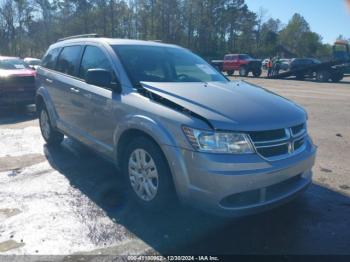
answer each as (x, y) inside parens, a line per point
(78, 36)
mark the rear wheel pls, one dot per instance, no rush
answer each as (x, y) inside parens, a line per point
(323, 76)
(257, 73)
(51, 136)
(230, 72)
(147, 173)
(243, 71)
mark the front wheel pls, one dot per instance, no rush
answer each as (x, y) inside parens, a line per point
(147, 173)
(337, 77)
(50, 135)
(230, 72)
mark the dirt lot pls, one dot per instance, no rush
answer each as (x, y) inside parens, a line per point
(68, 201)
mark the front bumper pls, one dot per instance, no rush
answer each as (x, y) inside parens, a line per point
(15, 98)
(238, 184)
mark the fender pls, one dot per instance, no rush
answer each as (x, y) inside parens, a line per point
(144, 124)
(44, 94)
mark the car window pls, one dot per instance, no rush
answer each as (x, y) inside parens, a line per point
(94, 57)
(68, 60)
(33, 62)
(244, 57)
(50, 58)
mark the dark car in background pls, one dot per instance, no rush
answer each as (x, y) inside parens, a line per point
(17, 82)
(300, 63)
(303, 63)
(285, 64)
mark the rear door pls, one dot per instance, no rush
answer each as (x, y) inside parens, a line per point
(235, 62)
(46, 76)
(227, 62)
(67, 100)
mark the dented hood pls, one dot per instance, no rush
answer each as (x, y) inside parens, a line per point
(237, 106)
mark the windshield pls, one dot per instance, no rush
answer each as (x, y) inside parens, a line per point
(245, 57)
(12, 64)
(165, 64)
(33, 62)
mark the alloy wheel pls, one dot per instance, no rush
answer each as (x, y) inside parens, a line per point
(143, 174)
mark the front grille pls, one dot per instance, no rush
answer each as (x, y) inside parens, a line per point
(279, 143)
(299, 143)
(297, 129)
(21, 81)
(273, 150)
(267, 135)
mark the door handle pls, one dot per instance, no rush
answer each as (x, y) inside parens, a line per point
(74, 90)
(49, 80)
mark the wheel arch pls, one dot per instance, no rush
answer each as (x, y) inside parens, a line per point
(140, 126)
(42, 98)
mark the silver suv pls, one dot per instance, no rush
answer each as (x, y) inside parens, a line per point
(174, 125)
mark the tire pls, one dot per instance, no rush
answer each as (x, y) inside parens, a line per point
(323, 76)
(50, 135)
(152, 188)
(243, 71)
(337, 77)
(230, 72)
(257, 73)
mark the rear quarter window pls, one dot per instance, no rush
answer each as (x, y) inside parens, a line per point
(50, 59)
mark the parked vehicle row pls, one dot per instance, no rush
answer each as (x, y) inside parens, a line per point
(17, 82)
(301, 68)
(174, 125)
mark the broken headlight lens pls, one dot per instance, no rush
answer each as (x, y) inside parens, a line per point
(218, 142)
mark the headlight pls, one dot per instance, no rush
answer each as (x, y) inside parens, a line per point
(218, 142)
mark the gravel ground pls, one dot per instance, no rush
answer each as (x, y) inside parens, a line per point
(68, 201)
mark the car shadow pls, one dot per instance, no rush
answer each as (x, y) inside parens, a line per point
(14, 115)
(317, 222)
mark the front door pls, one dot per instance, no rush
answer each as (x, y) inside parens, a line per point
(99, 121)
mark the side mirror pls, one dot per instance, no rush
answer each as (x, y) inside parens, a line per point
(98, 77)
(102, 78)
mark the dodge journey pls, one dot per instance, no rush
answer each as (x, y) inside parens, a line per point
(174, 125)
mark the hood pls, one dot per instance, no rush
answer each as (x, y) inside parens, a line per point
(17, 72)
(236, 106)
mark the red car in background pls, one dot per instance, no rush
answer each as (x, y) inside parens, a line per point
(242, 63)
(17, 82)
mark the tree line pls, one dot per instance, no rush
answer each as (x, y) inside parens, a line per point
(210, 28)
